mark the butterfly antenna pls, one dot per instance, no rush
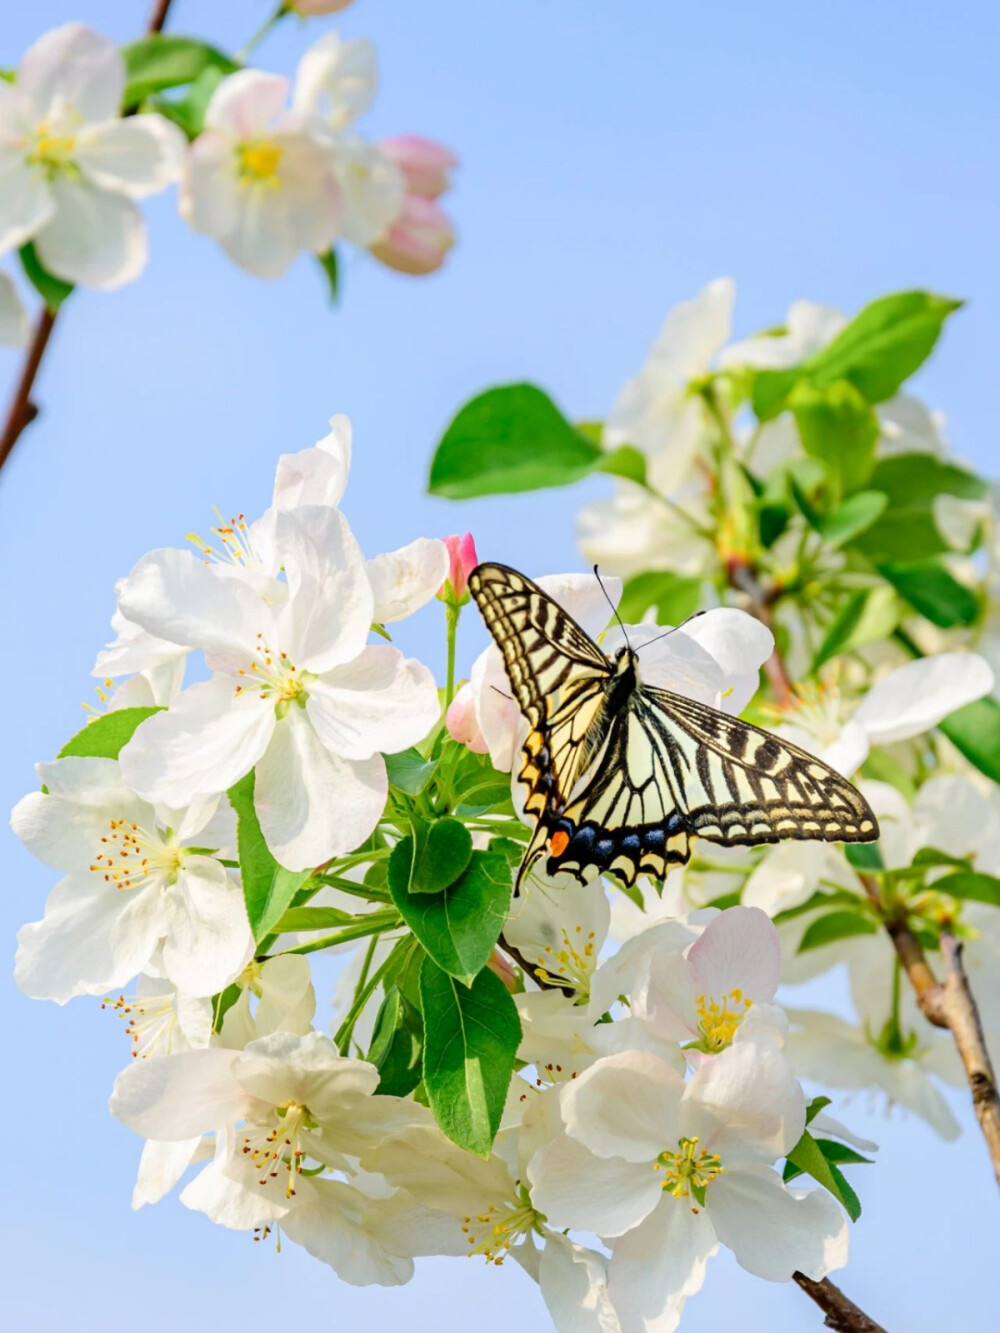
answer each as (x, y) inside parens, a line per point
(614, 609)
(672, 630)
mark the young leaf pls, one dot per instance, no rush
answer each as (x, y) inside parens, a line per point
(975, 731)
(432, 857)
(163, 60)
(625, 461)
(836, 926)
(508, 439)
(51, 289)
(106, 736)
(854, 516)
(471, 1036)
(674, 597)
(933, 591)
(331, 272)
(839, 428)
(268, 888)
(459, 926)
(396, 1046)
(808, 1157)
(864, 855)
(409, 771)
(907, 530)
(971, 886)
(477, 787)
(312, 918)
(815, 1106)
(866, 615)
(188, 112)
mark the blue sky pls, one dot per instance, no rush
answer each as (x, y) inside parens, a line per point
(615, 158)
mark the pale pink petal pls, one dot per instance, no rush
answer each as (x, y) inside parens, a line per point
(604, 1195)
(245, 103)
(405, 580)
(624, 1106)
(745, 1104)
(738, 950)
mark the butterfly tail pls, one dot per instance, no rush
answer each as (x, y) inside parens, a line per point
(536, 848)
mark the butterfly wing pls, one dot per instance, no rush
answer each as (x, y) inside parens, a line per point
(673, 769)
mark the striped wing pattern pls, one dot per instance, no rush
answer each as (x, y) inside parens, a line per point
(623, 787)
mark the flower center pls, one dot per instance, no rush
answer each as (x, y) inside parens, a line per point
(132, 857)
(570, 963)
(815, 708)
(276, 1147)
(718, 1020)
(259, 162)
(235, 545)
(274, 677)
(150, 1022)
(492, 1232)
(54, 142)
(688, 1171)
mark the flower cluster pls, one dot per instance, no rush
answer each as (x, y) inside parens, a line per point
(272, 169)
(270, 778)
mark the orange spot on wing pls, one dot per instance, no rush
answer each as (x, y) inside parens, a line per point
(558, 843)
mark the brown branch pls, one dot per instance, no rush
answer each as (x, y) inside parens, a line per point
(841, 1313)
(23, 410)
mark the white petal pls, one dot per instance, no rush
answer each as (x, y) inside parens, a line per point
(738, 950)
(179, 1096)
(205, 742)
(26, 202)
(209, 942)
(915, 697)
(15, 328)
(95, 237)
(372, 188)
(328, 1219)
(312, 804)
(774, 1231)
(246, 102)
(316, 476)
(210, 193)
(382, 701)
(582, 597)
(234, 1201)
(656, 1267)
(574, 1283)
(70, 951)
(745, 1103)
(138, 156)
(64, 828)
(161, 1167)
(604, 1195)
(329, 611)
(499, 717)
(287, 999)
(75, 65)
(740, 644)
(336, 79)
(624, 1106)
(405, 580)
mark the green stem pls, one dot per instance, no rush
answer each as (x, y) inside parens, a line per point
(451, 616)
(375, 923)
(364, 993)
(253, 42)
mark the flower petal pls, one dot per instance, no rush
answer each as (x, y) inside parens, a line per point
(745, 1104)
(740, 644)
(73, 64)
(94, 237)
(574, 1284)
(916, 696)
(738, 950)
(70, 952)
(179, 1096)
(329, 611)
(209, 940)
(246, 102)
(774, 1231)
(624, 1106)
(382, 701)
(316, 476)
(161, 1167)
(656, 1267)
(300, 784)
(405, 580)
(15, 328)
(336, 80)
(26, 202)
(138, 157)
(329, 1221)
(604, 1195)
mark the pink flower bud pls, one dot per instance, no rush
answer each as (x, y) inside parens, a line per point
(424, 163)
(418, 240)
(313, 8)
(462, 722)
(462, 560)
(504, 969)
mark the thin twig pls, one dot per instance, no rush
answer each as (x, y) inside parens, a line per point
(841, 1313)
(23, 410)
(742, 577)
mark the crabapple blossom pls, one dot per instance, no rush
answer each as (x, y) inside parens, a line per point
(257, 180)
(425, 164)
(462, 560)
(138, 884)
(418, 240)
(72, 167)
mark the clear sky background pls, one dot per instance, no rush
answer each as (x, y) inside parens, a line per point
(615, 158)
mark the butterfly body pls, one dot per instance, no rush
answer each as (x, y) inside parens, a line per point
(621, 776)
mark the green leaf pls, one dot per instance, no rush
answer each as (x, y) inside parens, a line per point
(51, 289)
(970, 886)
(459, 926)
(433, 856)
(471, 1036)
(409, 771)
(107, 735)
(975, 731)
(837, 427)
(866, 615)
(328, 263)
(188, 112)
(841, 1153)
(313, 918)
(165, 60)
(931, 590)
(933, 856)
(815, 1106)
(771, 389)
(625, 461)
(907, 530)
(397, 1045)
(884, 344)
(674, 597)
(854, 516)
(509, 439)
(840, 925)
(864, 856)
(477, 787)
(268, 888)
(807, 1157)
